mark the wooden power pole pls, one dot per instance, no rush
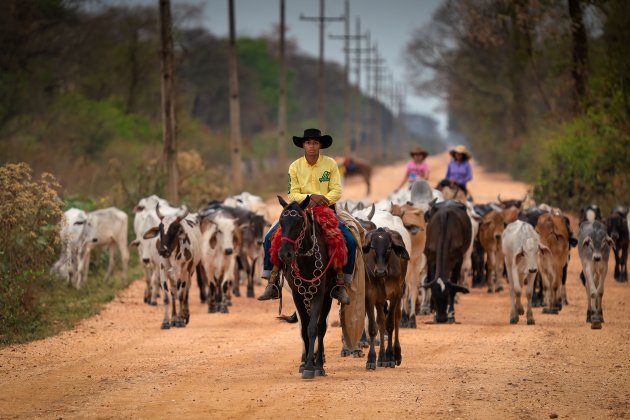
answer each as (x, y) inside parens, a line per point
(282, 110)
(168, 100)
(321, 19)
(347, 123)
(235, 109)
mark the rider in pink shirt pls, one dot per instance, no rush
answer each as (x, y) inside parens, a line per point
(417, 169)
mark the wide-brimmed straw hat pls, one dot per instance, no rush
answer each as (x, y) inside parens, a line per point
(418, 151)
(461, 149)
(315, 134)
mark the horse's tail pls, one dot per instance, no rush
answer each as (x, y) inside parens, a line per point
(292, 319)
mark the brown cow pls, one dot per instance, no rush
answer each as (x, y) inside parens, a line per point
(386, 266)
(490, 231)
(553, 233)
(413, 219)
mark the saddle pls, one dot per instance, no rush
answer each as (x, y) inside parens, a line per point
(335, 243)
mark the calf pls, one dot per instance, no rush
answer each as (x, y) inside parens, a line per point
(553, 233)
(72, 224)
(521, 248)
(449, 232)
(617, 228)
(490, 231)
(413, 219)
(220, 244)
(179, 247)
(594, 246)
(386, 267)
(103, 228)
(149, 257)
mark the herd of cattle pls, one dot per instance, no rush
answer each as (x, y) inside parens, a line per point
(448, 245)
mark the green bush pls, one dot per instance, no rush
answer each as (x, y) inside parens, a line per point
(30, 212)
(586, 161)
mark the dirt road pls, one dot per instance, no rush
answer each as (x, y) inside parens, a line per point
(245, 364)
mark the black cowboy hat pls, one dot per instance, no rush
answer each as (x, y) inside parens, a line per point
(315, 134)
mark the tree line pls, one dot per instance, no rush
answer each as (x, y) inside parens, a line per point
(540, 88)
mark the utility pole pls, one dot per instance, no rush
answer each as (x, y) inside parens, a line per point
(373, 65)
(321, 19)
(346, 97)
(358, 36)
(168, 100)
(282, 110)
(235, 109)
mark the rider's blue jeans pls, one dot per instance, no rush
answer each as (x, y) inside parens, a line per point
(351, 244)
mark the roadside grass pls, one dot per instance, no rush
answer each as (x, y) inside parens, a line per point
(59, 307)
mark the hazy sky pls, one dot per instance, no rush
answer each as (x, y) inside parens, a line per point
(391, 24)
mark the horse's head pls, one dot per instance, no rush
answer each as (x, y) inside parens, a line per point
(293, 222)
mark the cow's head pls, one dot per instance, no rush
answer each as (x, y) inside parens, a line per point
(146, 246)
(170, 231)
(527, 257)
(493, 225)
(596, 243)
(378, 247)
(616, 225)
(226, 234)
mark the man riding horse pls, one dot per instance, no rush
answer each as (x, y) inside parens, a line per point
(316, 176)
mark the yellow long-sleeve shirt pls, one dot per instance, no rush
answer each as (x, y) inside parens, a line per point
(322, 178)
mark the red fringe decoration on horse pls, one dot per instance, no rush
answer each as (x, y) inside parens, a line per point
(333, 237)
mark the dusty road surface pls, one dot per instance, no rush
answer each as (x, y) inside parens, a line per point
(119, 364)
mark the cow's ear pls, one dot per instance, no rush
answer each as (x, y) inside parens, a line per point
(243, 226)
(151, 233)
(367, 244)
(135, 242)
(543, 249)
(399, 245)
(519, 255)
(610, 242)
(304, 203)
(282, 202)
(79, 222)
(587, 241)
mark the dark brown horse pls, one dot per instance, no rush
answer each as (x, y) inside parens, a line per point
(358, 167)
(306, 266)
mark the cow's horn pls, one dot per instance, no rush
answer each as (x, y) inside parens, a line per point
(157, 210)
(429, 284)
(525, 198)
(183, 210)
(499, 198)
(371, 214)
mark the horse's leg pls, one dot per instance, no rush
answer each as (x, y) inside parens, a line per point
(316, 308)
(380, 319)
(299, 306)
(321, 332)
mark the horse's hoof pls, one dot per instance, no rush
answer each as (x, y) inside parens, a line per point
(358, 353)
(596, 325)
(513, 320)
(236, 292)
(165, 326)
(180, 324)
(301, 369)
(370, 366)
(320, 372)
(398, 362)
(531, 322)
(380, 364)
(390, 364)
(345, 352)
(153, 303)
(250, 293)
(308, 374)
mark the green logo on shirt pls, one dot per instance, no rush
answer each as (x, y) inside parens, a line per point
(325, 177)
(289, 189)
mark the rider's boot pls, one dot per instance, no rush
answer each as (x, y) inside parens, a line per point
(271, 291)
(339, 291)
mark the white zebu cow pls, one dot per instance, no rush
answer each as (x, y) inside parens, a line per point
(521, 249)
(179, 246)
(467, 265)
(250, 202)
(594, 248)
(220, 245)
(103, 228)
(148, 253)
(144, 219)
(72, 224)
